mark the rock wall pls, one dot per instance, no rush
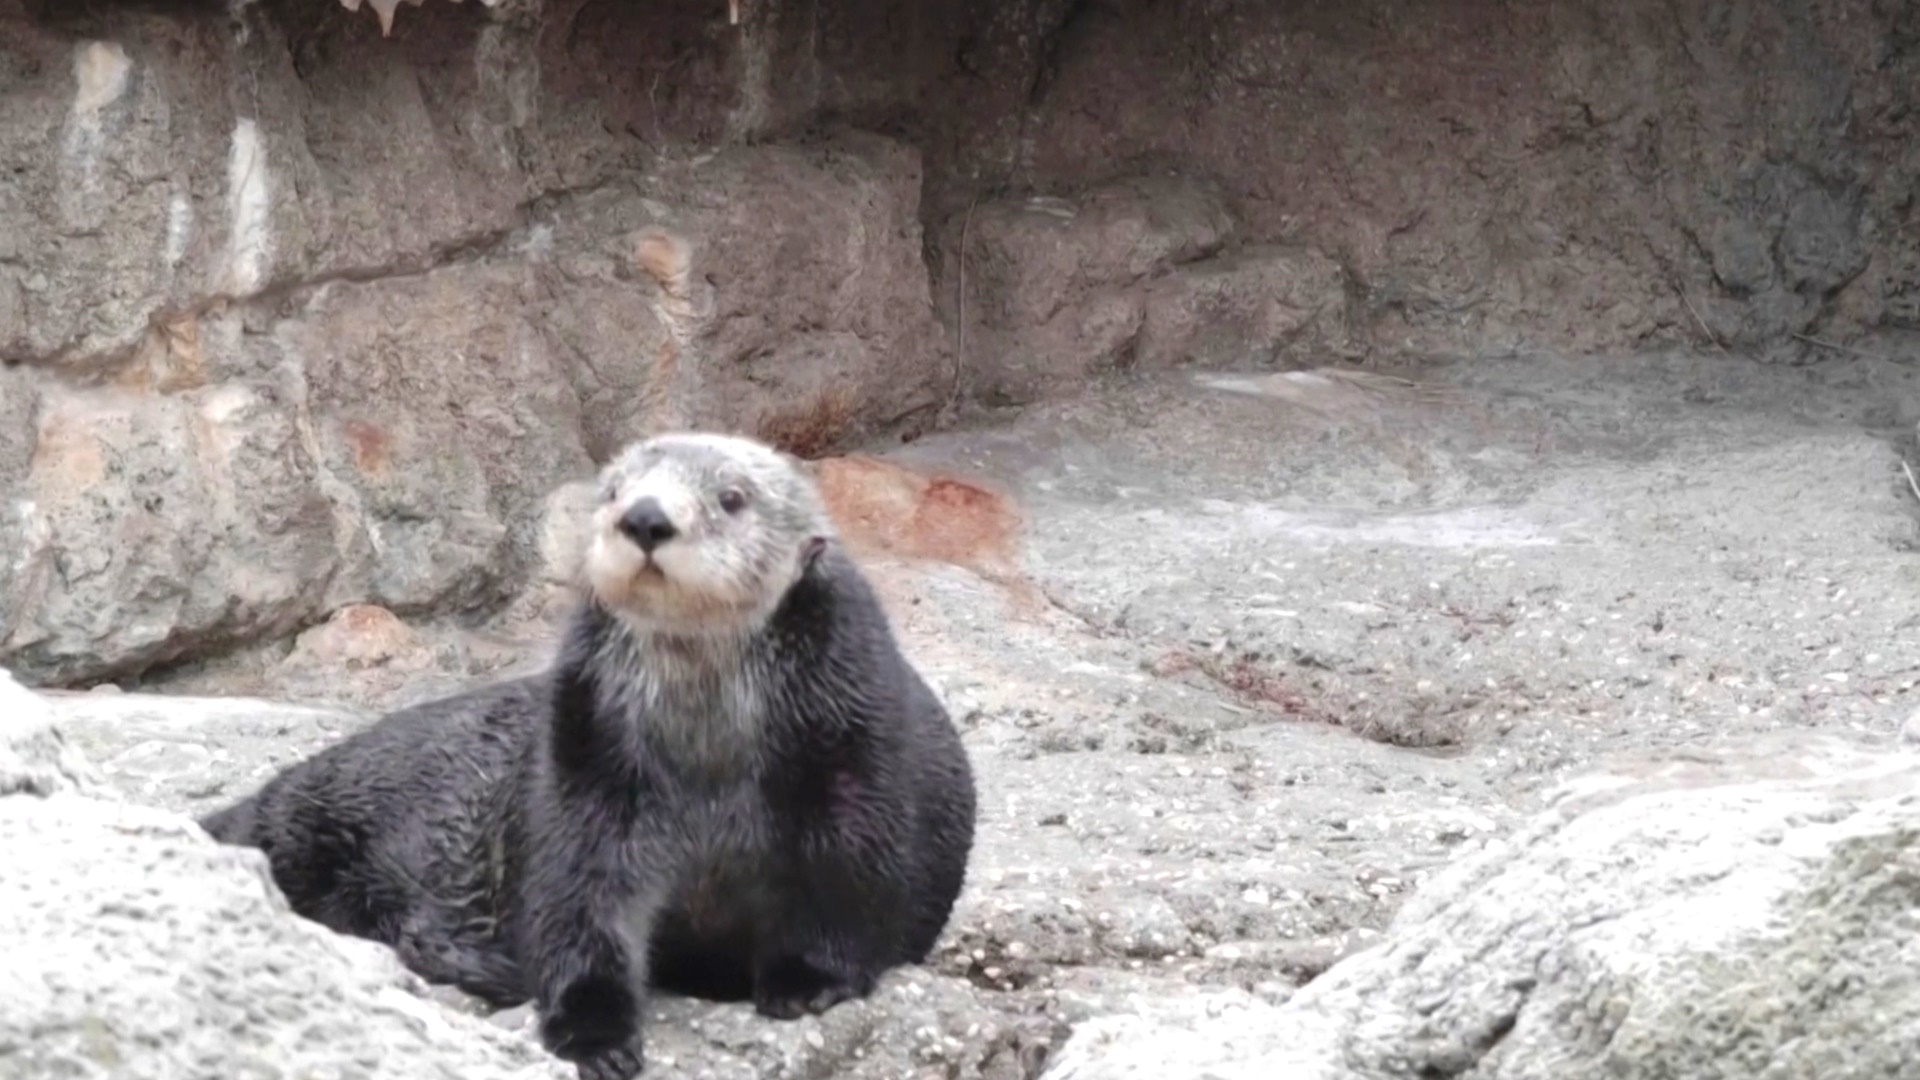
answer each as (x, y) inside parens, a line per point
(297, 317)
(297, 314)
(1488, 176)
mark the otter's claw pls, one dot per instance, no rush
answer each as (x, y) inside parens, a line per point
(792, 1007)
(621, 1063)
(595, 1025)
(793, 988)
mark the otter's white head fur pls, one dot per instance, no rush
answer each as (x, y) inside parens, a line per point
(700, 534)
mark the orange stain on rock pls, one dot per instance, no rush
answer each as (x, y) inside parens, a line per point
(965, 523)
(371, 446)
(880, 507)
(357, 636)
(67, 457)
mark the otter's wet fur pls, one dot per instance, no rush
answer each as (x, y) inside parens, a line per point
(730, 784)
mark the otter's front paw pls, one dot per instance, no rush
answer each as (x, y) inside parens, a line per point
(595, 1023)
(792, 987)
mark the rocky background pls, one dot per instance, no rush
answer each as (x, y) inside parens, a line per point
(297, 314)
(1523, 697)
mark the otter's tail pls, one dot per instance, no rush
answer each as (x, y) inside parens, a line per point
(233, 825)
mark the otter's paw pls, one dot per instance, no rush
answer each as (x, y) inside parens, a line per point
(791, 988)
(595, 1023)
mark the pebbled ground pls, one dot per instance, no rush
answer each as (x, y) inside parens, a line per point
(1273, 653)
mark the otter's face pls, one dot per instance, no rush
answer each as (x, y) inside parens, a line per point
(701, 533)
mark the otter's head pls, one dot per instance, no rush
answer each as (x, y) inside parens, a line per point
(701, 533)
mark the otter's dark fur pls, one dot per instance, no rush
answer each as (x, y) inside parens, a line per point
(779, 814)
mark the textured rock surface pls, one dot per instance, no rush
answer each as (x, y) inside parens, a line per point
(1135, 275)
(302, 325)
(334, 340)
(136, 947)
(1583, 175)
(35, 757)
(327, 312)
(1698, 922)
(1244, 662)
(139, 948)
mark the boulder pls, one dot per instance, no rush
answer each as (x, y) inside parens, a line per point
(150, 525)
(1259, 306)
(774, 289)
(1747, 917)
(139, 948)
(35, 757)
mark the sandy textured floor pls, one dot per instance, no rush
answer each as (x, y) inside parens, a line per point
(1291, 657)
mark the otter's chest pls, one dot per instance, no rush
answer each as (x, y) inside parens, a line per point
(710, 727)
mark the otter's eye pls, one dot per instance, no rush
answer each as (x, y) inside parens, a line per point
(733, 500)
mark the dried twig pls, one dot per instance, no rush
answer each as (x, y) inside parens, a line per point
(1837, 347)
(1695, 312)
(960, 352)
(1912, 485)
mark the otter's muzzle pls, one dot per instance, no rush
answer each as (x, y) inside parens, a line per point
(647, 525)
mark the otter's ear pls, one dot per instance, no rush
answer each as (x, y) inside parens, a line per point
(811, 551)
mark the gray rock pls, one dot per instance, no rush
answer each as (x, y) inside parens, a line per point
(1742, 259)
(1215, 1037)
(35, 756)
(1749, 917)
(192, 754)
(773, 289)
(286, 331)
(440, 416)
(1820, 243)
(1051, 295)
(1253, 308)
(1135, 274)
(154, 525)
(139, 948)
(393, 442)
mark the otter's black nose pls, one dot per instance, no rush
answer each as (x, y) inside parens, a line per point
(646, 524)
